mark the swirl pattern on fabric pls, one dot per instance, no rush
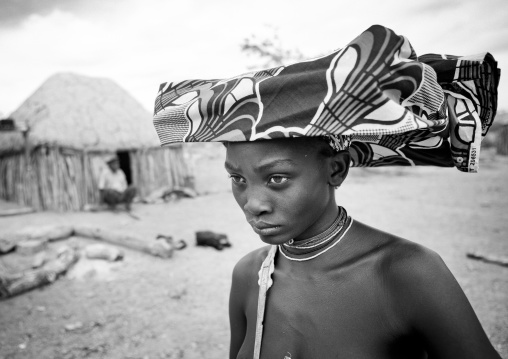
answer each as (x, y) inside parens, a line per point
(397, 108)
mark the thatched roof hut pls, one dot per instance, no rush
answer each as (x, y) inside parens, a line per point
(500, 133)
(65, 129)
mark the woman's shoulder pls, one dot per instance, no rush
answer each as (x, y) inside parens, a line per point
(408, 270)
(398, 256)
(249, 265)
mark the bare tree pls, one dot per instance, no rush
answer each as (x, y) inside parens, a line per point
(269, 50)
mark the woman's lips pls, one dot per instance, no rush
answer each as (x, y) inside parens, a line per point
(265, 229)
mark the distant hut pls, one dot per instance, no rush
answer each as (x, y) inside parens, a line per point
(502, 140)
(502, 133)
(52, 157)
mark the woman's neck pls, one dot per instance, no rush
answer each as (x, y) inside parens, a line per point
(321, 224)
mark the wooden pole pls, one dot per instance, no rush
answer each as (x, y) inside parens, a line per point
(84, 188)
(489, 258)
(159, 248)
(26, 146)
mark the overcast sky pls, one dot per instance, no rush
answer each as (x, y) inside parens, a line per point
(141, 43)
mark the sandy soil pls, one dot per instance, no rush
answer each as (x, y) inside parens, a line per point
(146, 307)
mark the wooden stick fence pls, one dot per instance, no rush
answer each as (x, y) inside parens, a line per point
(63, 179)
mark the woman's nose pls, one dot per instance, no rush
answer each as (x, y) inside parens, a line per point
(256, 204)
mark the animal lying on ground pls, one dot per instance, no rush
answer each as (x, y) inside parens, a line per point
(208, 238)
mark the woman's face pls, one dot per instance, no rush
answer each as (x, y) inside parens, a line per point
(282, 187)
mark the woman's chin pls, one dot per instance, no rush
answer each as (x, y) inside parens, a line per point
(274, 240)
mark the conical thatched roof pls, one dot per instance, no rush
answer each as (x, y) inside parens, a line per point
(82, 112)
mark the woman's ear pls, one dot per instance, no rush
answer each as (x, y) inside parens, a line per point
(339, 168)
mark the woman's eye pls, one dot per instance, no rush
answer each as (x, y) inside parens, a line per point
(278, 179)
(236, 179)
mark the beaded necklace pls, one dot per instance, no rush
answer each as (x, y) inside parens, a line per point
(320, 243)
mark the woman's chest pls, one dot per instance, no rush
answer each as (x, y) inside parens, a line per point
(342, 316)
(324, 319)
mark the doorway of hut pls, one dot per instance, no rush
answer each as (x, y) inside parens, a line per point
(125, 164)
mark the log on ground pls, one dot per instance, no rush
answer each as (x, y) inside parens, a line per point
(489, 258)
(12, 284)
(158, 247)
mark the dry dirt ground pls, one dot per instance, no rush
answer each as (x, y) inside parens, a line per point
(146, 307)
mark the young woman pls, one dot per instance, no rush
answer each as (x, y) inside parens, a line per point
(356, 292)
(329, 286)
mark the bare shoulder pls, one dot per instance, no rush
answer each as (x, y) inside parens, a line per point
(406, 267)
(423, 295)
(413, 264)
(411, 271)
(246, 270)
(397, 256)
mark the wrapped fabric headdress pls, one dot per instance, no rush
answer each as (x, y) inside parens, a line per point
(375, 96)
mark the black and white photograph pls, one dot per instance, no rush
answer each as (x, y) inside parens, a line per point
(253, 179)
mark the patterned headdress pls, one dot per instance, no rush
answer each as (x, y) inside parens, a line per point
(375, 96)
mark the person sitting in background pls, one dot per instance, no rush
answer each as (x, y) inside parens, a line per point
(113, 185)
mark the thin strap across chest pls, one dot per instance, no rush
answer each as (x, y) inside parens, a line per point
(311, 248)
(264, 284)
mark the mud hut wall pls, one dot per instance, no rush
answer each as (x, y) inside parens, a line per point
(59, 179)
(55, 179)
(18, 181)
(62, 179)
(91, 171)
(502, 140)
(156, 168)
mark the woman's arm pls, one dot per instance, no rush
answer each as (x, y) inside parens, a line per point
(237, 319)
(438, 310)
